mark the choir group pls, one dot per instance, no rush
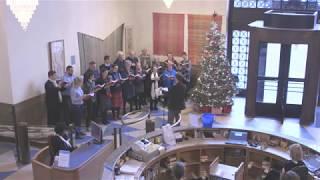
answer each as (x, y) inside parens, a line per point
(133, 81)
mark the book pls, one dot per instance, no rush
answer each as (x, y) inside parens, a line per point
(131, 167)
(100, 85)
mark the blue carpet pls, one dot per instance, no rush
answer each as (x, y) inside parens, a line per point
(127, 138)
(3, 175)
(5, 147)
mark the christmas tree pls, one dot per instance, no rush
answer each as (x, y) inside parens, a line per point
(215, 86)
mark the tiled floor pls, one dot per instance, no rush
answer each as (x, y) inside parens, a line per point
(8, 165)
(236, 118)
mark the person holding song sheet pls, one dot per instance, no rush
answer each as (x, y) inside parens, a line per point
(186, 68)
(92, 69)
(128, 88)
(139, 86)
(77, 97)
(154, 90)
(120, 62)
(172, 60)
(104, 94)
(116, 92)
(106, 65)
(53, 98)
(68, 79)
(145, 59)
(134, 60)
(169, 76)
(89, 87)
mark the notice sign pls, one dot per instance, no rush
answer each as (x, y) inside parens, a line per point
(64, 159)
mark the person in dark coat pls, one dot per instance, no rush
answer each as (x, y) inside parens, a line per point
(89, 87)
(176, 97)
(139, 86)
(134, 60)
(104, 94)
(128, 88)
(296, 154)
(268, 172)
(120, 62)
(91, 70)
(106, 65)
(53, 99)
(60, 141)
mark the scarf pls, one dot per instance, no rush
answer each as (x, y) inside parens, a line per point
(65, 141)
(154, 86)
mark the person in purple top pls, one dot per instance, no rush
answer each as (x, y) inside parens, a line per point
(77, 96)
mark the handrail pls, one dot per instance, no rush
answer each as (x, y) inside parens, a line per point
(138, 120)
(176, 124)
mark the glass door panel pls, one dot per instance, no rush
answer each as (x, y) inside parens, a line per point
(298, 60)
(269, 89)
(272, 60)
(268, 72)
(297, 70)
(295, 92)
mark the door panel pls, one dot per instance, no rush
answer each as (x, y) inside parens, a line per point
(281, 76)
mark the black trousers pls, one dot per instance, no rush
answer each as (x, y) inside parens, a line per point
(130, 101)
(153, 104)
(116, 113)
(91, 112)
(66, 111)
(173, 116)
(139, 100)
(53, 114)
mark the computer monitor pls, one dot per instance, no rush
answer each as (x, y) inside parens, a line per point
(238, 135)
(97, 133)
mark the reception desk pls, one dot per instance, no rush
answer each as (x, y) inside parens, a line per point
(199, 147)
(86, 162)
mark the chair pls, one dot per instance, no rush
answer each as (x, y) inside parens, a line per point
(218, 171)
(50, 148)
(240, 172)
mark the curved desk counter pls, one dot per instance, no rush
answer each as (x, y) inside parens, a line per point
(86, 162)
(200, 147)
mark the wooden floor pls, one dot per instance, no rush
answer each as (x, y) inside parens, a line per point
(237, 118)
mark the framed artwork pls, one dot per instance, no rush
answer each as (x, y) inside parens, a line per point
(128, 39)
(57, 57)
